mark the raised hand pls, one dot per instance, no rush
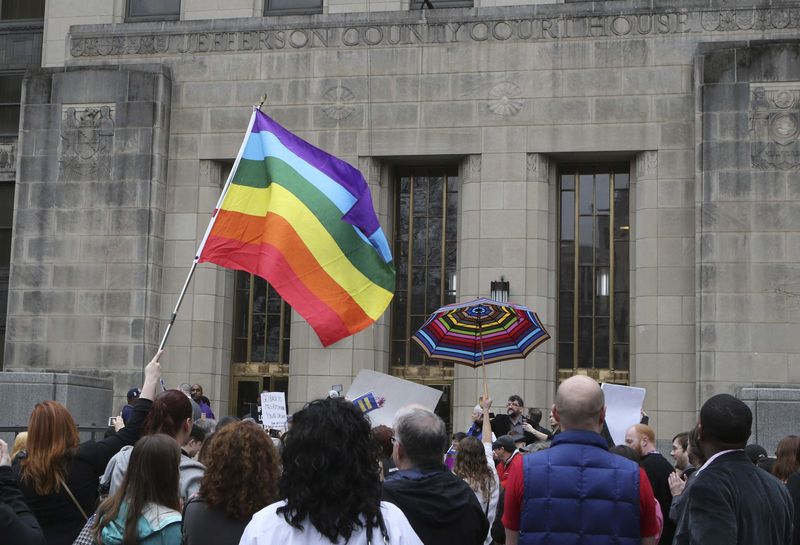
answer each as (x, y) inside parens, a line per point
(676, 484)
(5, 457)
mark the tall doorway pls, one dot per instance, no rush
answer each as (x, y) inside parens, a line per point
(262, 328)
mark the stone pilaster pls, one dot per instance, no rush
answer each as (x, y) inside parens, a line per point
(87, 252)
(747, 202)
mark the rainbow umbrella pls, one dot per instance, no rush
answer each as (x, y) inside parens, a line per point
(480, 332)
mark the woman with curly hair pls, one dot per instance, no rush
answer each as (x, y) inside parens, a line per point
(242, 472)
(475, 464)
(330, 485)
(59, 476)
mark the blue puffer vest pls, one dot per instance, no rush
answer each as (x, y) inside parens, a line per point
(578, 493)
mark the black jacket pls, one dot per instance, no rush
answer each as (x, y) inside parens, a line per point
(59, 517)
(17, 522)
(440, 506)
(658, 470)
(732, 502)
(793, 485)
(204, 525)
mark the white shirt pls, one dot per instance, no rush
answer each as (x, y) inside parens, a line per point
(714, 457)
(267, 527)
(495, 494)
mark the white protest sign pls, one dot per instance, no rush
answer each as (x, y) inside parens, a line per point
(392, 393)
(273, 410)
(623, 409)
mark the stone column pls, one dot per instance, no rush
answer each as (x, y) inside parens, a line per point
(662, 295)
(541, 281)
(507, 229)
(199, 346)
(87, 250)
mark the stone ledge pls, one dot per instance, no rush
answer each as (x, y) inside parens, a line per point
(88, 398)
(786, 393)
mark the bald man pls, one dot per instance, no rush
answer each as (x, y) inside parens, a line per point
(577, 491)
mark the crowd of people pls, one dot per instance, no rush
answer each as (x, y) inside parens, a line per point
(173, 475)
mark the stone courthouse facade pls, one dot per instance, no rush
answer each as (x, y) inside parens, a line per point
(627, 169)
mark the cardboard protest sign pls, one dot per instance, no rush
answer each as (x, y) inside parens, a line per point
(273, 410)
(381, 395)
(623, 409)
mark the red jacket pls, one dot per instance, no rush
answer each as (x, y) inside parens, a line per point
(504, 468)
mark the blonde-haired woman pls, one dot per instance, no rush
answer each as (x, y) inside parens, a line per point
(475, 465)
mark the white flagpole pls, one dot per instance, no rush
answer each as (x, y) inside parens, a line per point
(208, 229)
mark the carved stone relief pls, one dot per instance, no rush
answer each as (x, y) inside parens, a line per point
(87, 142)
(370, 169)
(504, 99)
(538, 167)
(474, 168)
(8, 160)
(338, 98)
(266, 36)
(775, 125)
(647, 165)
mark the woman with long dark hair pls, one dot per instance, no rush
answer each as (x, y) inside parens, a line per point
(475, 464)
(330, 485)
(171, 415)
(59, 476)
(241, 478)
(787, 461)
(146, 508)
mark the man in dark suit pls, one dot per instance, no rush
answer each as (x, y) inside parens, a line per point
(731, 501)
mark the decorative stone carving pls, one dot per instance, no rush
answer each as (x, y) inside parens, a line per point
(266, 35)
(87, 142)
(503, 99)
(474, 170)
(8, 160)
(338, 96)
(749, 19)
(538, 167)
(647, 165)
(775, 125)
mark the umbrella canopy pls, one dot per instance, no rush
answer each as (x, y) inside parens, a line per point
(481, 331)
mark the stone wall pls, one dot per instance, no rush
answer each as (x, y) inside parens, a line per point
(776, 412)
(88, 398)
(748, 215)
(88, 230)
(509, 93)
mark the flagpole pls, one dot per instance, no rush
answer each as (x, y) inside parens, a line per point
(210, 225)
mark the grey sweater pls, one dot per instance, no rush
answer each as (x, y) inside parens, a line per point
(191, 473)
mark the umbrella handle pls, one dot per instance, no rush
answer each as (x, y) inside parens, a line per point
(483, 362)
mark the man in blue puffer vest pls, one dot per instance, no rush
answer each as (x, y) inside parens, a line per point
(576, 492)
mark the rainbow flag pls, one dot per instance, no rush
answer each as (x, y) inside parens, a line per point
(302, 220)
